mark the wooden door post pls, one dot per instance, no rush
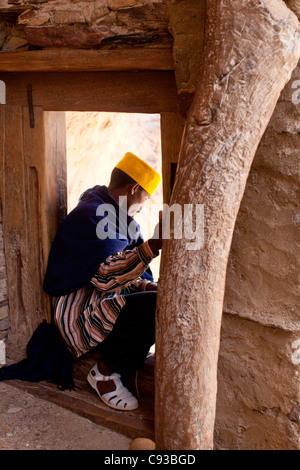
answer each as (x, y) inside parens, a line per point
(32, 187)
(172, 125)
(251, 49)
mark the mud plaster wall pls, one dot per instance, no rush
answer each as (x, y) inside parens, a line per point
(258, 395)
(263, 287)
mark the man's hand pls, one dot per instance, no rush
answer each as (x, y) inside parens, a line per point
(155, 242)
(152, 286)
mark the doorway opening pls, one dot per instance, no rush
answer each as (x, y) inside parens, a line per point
(38, 158)
(96, 141)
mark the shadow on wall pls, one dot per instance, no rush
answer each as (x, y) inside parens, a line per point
(97, 141)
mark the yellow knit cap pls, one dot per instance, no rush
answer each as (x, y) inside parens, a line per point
(140, 172)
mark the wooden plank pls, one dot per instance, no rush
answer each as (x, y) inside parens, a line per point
(85, 402)
(30, 190)
(62, 60)
(136, 92)
(2, 146)
(14, 215)
(172, 125)
(54, 174)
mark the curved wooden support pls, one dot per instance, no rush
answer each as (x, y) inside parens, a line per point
(251, 49)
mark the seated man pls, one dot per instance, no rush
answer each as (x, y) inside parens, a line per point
(98, 275)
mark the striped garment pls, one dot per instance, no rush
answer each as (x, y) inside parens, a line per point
(85, 317)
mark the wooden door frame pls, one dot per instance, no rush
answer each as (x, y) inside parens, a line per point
(37, 94)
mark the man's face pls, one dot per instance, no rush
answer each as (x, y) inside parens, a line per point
(136, 198)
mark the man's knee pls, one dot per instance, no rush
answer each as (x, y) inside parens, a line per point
(149, 305)
(142, 308)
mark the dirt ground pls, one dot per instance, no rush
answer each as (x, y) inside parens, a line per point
(30, 423)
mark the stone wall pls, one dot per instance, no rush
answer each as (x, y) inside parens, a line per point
(82, 24)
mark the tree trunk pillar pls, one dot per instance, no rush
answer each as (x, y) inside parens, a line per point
(251, 49)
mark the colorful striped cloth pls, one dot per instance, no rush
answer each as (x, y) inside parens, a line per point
(85, 317)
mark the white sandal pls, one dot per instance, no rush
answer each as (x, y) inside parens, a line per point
(120, 398)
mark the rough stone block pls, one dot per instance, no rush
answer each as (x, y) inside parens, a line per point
(100, 11)
(106, 19)
(66, 36)
(117, 4)
(68, 16)
(87, 12)
(149, 16)
(33, 18)
(14, 43)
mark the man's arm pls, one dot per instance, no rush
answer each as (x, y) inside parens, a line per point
(120, 269)
(142, 285)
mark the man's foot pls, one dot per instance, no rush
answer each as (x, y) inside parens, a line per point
(104, 386)
(110, 388)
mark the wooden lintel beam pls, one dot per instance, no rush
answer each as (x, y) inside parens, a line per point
(64, 60)
(128, 92)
